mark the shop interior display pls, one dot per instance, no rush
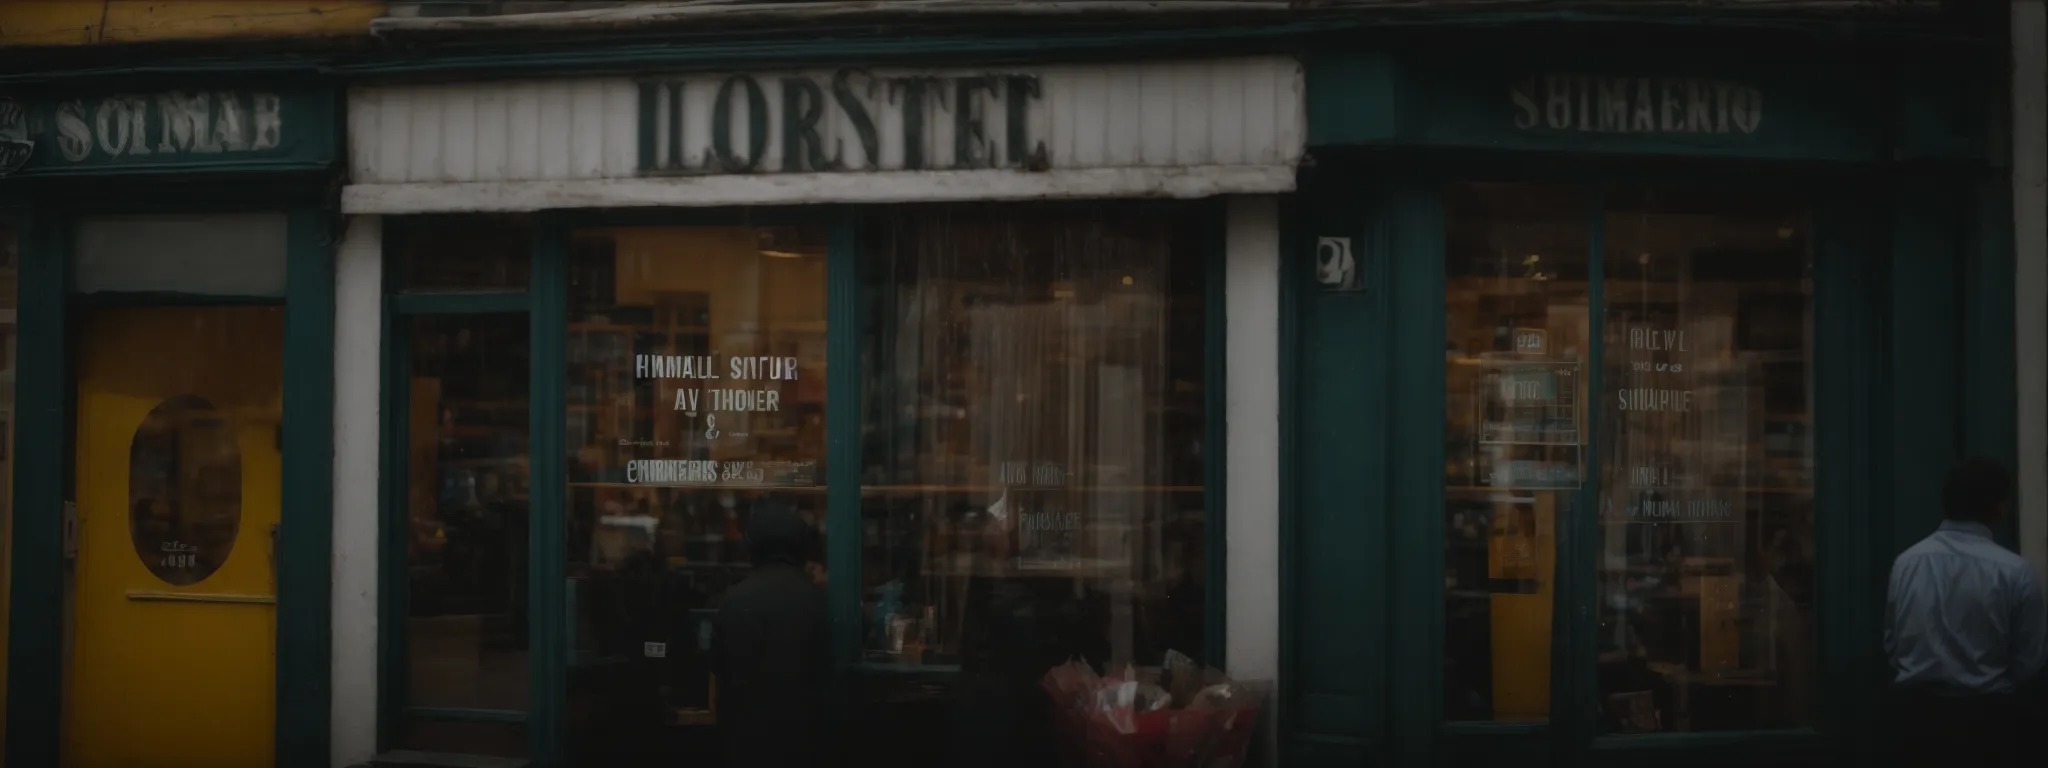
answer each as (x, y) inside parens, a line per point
(1032, 464)
(1703, 490)
(676, 338)
(467, 477)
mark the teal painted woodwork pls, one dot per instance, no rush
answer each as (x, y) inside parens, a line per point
(306, 529)
(1990, 370)
(1574, 671)
(1851, 513)
(42, 406)
(846, 317)
(43, 476)
(1411, 236)
(1912, 363)
(1942, 104)
(1714, 103)
(547, 553)
(195, 127)
(1924, 358)
(1912, 368)
(1335, 516)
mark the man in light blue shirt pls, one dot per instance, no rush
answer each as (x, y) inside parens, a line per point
(1966, 628)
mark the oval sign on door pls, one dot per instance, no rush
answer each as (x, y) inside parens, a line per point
(184, 490)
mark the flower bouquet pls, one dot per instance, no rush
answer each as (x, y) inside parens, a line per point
(1172, 716)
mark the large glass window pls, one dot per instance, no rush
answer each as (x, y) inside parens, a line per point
(1515, 418)
(695, 400)
(1032, 479)
(1706, 471)
(1702, 424)
(466, 558)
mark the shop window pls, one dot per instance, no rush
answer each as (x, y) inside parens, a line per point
(184, 490)
(1706, 565)
(695, 402)
(466, 602)
(1514, 404)
(211, 254)
(459, 254)
(1702, 424)
(1032, 479)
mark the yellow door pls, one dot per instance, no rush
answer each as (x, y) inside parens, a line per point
(173, 645)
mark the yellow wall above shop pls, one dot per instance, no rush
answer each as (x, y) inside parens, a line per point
(84, 22)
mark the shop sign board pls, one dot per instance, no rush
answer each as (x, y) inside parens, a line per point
(1167, 128)
(726, 124)
(184, 129)
(1604, 104)
(1619, 101)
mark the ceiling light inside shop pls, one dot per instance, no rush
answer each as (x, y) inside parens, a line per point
(781, 254)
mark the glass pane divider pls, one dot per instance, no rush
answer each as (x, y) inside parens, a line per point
(547, 664)
(392, 531)
(1575, 657)
(843, 414)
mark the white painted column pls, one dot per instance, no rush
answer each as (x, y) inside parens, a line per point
(2030, 270)
(358, 358)
(1251, 303)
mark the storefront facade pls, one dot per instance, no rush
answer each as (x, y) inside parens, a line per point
(169, 246)
(973, 304)
(1618, 372)
(1265, 342)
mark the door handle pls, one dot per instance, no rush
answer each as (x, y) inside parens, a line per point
(273, 553)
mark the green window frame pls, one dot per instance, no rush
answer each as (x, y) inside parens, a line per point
(1905, 263)
(394, 409)
(545, 301)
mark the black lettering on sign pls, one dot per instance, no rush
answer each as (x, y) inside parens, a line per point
(817, 116)
(757, 125)
(967, 138)
(1635, 105)
(913, 90)
(857, 113)
(803, 104)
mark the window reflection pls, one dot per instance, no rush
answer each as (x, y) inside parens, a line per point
(467, 446)
(462, 253)
(1515, 309)
(1706, 560)
(696, 399)
(1033, 472)
(184, 490)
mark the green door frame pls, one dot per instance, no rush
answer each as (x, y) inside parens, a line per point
(394, 469)
(44, 400)
(1888, 290)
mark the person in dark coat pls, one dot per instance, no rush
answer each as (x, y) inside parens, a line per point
(769, 651)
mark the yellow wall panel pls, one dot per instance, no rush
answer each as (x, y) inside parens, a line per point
(83, 22)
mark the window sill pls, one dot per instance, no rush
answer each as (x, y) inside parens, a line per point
(1499, 730)
(1688, 742)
